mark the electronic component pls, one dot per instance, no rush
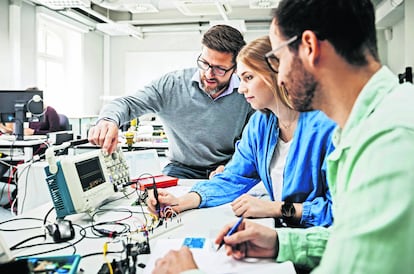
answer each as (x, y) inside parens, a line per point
(129, 264)
(61, 231)
(166, 225)
(54, 264)
(80, 183)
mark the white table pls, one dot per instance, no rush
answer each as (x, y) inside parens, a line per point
(194, 223)
(32, 189)
(19, 150)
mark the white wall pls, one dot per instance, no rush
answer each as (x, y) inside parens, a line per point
(28, 47)
(92, 58)
(409, 33)
(395, 49)
(93, 74)
(396, 53)
(5, 61)
(122, 49)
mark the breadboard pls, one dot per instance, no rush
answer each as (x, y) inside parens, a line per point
(167, 226)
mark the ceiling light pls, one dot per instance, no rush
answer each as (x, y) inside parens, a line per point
(117, 29)
(62, 4)
(263, 4)
(133, 6)
(202, 7)
(143, 8)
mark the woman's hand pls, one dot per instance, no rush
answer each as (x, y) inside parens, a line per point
(164, 199)
(218, 170)
(28, 131)
(249, 206)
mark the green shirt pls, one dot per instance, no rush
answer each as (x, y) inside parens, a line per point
(371, 178)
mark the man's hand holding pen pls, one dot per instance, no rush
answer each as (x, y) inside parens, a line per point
(232, 230)
(250, 239)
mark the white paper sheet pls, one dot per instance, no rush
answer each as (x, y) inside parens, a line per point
(211, 261)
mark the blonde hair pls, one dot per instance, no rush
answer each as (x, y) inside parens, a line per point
(252, 55)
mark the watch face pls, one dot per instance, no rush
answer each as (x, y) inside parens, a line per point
(288, 210)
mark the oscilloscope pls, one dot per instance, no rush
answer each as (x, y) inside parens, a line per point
(80, 183)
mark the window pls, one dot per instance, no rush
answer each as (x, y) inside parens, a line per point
(59, 65)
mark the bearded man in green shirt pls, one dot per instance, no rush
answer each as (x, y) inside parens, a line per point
(325, 54)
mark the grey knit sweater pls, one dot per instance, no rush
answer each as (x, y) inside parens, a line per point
(201, 131)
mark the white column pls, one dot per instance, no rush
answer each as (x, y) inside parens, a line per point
(409, 32)
(15, 42)
(106, 66)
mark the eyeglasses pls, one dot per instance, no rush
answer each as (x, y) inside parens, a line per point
(271, 60)
(219, 71)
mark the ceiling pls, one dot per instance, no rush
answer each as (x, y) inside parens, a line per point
(141, 17)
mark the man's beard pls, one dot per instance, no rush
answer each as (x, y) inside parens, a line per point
(302, 86)
(213, 91)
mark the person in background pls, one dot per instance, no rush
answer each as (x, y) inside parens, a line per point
(281, 147)
(200, 109)
(6, 128)
(48, 122)
(326, 56)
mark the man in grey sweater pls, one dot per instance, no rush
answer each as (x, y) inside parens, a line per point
(202, 112)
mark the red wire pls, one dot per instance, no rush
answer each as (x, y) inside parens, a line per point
(11, 175)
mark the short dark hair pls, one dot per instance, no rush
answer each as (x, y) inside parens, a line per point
(33, 88)
(349, 25)
(224, 38)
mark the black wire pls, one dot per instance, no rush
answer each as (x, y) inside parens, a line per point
(47, 214)
(48, 251)
(73, 245)
(116, 199)
(25, 183)
(20, 219)
(104, 232)
(3, 189)
(107, 233)
(26, 240)
(83, 233)
(121, 210)
(101, 253)
(140, 204)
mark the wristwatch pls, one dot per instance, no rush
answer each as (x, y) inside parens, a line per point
(288, 211)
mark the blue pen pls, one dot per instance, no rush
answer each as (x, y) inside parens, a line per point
(231, 231)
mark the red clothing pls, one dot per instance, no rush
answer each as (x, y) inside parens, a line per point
(49, 122)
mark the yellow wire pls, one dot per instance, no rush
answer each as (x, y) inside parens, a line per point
(105, 249)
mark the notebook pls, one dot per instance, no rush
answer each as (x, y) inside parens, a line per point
(145, 167)
(211, 261)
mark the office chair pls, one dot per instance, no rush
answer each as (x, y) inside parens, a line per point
(64, 122)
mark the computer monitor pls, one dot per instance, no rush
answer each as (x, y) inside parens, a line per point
(19, 106)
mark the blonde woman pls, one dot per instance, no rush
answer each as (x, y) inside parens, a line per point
(284, 149)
